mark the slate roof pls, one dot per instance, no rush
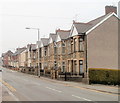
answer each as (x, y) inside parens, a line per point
(64, 34)
(53, 36)
(33, 47)
(44, 41)
(3, 54)
(84, 27)
(7, 53)
(20, 50)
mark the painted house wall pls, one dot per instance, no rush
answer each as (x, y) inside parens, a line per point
(119, 44)
(119, 9)
(103, 45)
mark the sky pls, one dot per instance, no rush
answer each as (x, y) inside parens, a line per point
(47, 15)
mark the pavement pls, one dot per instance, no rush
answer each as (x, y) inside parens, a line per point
(25, 87)
(93, 87)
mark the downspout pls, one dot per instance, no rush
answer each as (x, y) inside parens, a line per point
(86, 59)
(86, 55)
(87, 77)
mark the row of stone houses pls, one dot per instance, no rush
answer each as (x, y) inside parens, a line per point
(86, 45)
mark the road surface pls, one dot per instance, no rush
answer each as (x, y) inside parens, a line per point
(23, 87)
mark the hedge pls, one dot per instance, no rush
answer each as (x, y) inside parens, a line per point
(104, 76)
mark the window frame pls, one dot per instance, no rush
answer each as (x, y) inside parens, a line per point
(81, 44)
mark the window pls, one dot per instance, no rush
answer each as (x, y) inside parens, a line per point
(55, 64)
(63, 47)
(49, 50)
(72, 46)
(37, 55)
(34, 54)
(81, 44)
(75, 45)
(75, 67)
(45, 51)
(55, 48)
(40, 52)
(59, 46)
(81, 66)
(63, 67)
(69, 47)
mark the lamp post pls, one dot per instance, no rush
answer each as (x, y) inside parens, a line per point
(38, 48)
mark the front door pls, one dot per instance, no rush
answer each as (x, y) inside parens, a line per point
(81, 67)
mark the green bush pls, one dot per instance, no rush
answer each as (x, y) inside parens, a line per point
(104, 76)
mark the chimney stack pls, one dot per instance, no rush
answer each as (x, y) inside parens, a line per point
(109, 9)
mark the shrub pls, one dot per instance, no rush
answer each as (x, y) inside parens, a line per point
(104, 76)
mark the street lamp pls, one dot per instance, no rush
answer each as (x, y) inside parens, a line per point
(38, 49)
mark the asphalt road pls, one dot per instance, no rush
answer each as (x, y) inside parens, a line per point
(24, 87)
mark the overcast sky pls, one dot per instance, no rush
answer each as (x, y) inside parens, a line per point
(48, 15)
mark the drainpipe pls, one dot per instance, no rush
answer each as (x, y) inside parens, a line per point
(86, 76)
(87, 71)
(86, 59)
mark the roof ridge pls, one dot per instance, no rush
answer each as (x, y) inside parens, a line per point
(59, 30)
(96, 18)
(74, 22)
(44, 38)
(52, 34)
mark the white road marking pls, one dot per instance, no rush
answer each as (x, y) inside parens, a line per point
(53, 89)
(81, 98)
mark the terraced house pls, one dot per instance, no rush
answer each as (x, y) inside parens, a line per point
(52, 51)
(43, 53)
(16, 59)
(61, 37)
(6, 58)
(22, 59)
(77, 49)
(95, 43)
(30, 57)
(86, 45)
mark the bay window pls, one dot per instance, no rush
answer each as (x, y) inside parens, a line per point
(81, 43)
